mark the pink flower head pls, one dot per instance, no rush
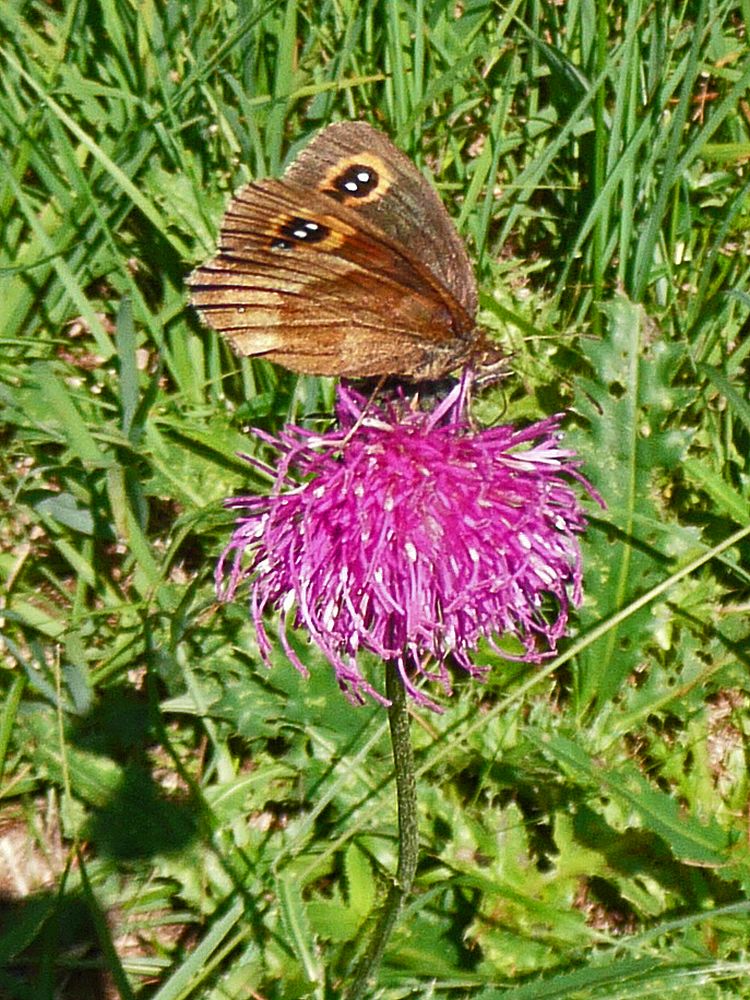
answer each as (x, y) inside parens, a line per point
(413, 536)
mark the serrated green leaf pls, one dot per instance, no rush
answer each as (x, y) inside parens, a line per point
(626, 446)
(728, 500)
(686, 837)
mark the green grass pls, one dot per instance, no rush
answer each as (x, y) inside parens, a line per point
(184, 823)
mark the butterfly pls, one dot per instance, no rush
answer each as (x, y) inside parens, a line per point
(348, 265)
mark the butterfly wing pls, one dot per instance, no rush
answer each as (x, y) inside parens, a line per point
(308, 283)
(359, 166)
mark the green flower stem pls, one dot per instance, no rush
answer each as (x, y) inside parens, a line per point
(408, 828)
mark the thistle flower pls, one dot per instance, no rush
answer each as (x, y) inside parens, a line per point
(406, 533)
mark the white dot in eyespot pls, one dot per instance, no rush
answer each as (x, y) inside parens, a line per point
(351, 186)
(312, 226)
(363, 176)
(300, 234)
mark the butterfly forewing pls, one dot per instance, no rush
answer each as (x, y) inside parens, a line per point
(395, 197)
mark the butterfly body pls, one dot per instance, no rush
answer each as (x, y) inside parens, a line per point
(348, 265)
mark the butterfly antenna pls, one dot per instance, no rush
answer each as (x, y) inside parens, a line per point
(361, 418)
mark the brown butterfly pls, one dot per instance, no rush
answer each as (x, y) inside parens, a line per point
(349, 265)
